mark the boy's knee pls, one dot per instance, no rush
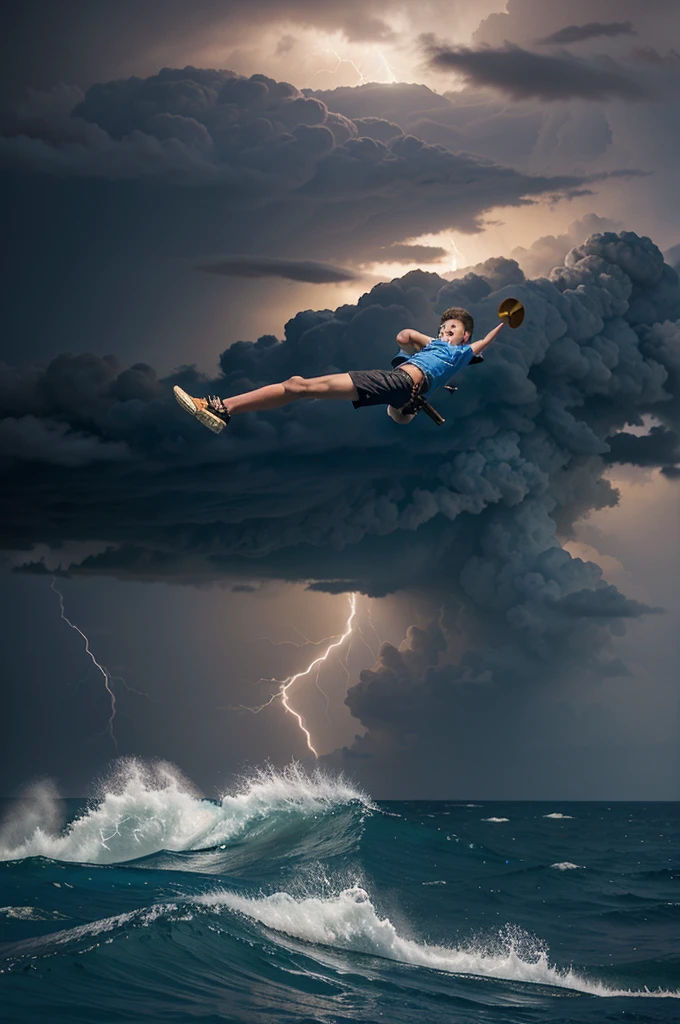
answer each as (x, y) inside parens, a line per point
(296, 387)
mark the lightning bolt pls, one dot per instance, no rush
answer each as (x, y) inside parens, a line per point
(285, 685)
(370, 622)
(457, 254)
(388, 69)
(334, 71)
(100, 668)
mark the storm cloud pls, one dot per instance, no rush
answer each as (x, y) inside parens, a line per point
(137, 178)
(471, 514)
(660, 447)
(273, 266)
(118, 179)
(408, 253)
(593, 30)
(470, 519)
(549, 251)
(523, 75)
(83, 42)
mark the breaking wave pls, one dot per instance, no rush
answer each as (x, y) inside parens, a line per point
(296, 886)
(349, 921)
(147, 808)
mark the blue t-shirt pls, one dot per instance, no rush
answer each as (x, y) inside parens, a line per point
(438, 360)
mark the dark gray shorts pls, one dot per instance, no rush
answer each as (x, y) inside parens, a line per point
(383, 387)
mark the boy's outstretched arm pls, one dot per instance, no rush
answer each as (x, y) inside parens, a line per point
(478, 346)
(412, 341)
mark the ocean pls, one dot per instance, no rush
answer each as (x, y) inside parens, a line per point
(299, 898)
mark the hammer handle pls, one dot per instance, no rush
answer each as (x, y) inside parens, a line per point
(430, 411)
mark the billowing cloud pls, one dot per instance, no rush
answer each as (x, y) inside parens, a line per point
(473, 509)
(29, 439)
(260, 143)
(138, 179)
(592, 30)
(549, 251)
(523, 75)
(660, 447)
(275, 266)
(132, 182)
(469, 518)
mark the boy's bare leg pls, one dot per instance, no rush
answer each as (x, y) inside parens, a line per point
(272, 396)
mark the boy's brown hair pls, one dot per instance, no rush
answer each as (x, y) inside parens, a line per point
(456, 313)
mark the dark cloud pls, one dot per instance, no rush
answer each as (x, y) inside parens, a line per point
(115, 191)
(427, 715)
(275, 266)
(523, 21)
(470, 515)
(257, 140)
(525, 75)
(593, 30)
(672, 256)
(475, 121)
(660, 447)
(469, 519)
(377, 107)
(86, 41)
(407, 254)
(549, 251)
(376, 128)
(28, 438)
(648, 55)
(602, 602)
(285, 44)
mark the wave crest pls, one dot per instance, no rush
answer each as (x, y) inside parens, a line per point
(349, 921)
(144, 808)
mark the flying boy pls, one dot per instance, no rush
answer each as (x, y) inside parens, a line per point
(423, 364)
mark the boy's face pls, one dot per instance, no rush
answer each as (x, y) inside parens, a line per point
(454, 332)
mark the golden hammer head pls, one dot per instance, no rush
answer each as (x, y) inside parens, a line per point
(512, 311)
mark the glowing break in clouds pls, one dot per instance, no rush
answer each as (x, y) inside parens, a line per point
(286, 684)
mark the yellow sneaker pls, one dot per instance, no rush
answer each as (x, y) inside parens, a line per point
(215, 418)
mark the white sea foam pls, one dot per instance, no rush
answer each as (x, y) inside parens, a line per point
(496, 819)
(46, 944)
(144, 808)
(566, 865)
(31, 914)
(349, 921)
(563, 817)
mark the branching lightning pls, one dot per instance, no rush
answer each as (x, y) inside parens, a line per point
(361, 77)
(285, 685)
(100, 668)
(334, 71)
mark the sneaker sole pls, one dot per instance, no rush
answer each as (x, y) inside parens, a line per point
(204, 416)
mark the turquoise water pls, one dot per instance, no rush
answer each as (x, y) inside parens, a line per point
(298, 898)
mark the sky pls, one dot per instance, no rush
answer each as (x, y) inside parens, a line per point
(223, 194)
